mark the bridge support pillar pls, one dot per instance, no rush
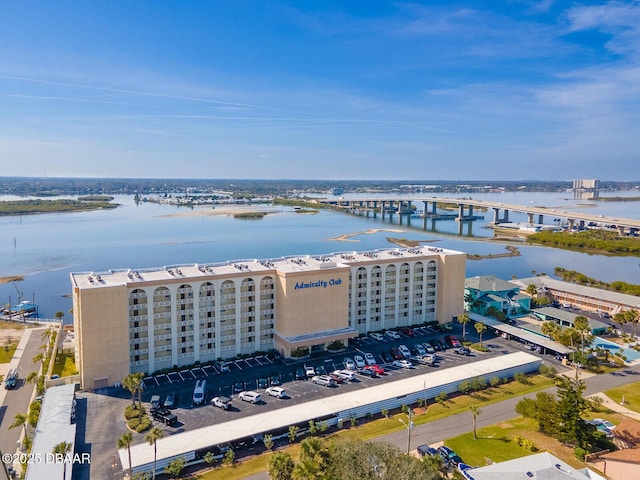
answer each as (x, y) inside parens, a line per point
(530, 217)
(540, 219)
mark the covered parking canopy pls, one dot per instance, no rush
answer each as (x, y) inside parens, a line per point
(530, 337)
(333, 407)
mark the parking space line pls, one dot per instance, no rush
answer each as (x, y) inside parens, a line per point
(204, 369)
(236, 364)
(257, 360)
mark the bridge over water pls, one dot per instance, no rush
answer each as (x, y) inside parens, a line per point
(535, 214)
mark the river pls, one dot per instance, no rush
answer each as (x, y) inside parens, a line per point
(46, 248)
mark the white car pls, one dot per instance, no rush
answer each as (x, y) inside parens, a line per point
(309, 371)
(349, 364)
(420, 350)
(406, 353)
(392, 334)
(277, 392)
(429, 348)
(346, 374)
(251, 397)
(402, 364)
(378, 337)
(369, 358)
(360, 363)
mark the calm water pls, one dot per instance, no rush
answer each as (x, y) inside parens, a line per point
(48, 247)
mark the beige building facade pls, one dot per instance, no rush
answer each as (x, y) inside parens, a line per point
(152, 319)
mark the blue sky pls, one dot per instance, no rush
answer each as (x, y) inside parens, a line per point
(358, 89)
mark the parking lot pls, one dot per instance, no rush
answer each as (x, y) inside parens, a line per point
(258, 373)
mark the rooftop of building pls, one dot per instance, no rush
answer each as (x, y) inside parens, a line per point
(540, 466)
(544, 281)
(289, 264)
(489, 283)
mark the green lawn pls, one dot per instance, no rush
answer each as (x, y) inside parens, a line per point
(631, 393)
(6, 352)
(496, 443)
(65, 365)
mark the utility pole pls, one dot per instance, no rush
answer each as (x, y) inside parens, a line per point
(409, 427)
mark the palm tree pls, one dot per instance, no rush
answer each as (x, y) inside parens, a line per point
(32, 377)
(125, 441)
(475, 411)
(532, 289)
(62, 448)
(463, 319)
(20, 420)
(551, 329)
(480, 328)
(59, 316)
(133, 383)
(281, 466)
(582, 326)
(152, 437)
(37, 358)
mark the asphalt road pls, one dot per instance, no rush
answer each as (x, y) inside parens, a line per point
(17, 400)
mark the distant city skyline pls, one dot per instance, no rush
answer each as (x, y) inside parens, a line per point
(542, 90)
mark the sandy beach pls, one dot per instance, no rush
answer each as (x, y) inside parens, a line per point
(347, 236)
(230, 211)
(13, 278)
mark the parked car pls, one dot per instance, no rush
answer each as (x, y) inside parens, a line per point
(462, 351)
(250, 396)
(392, 334)
(337, 378)
(349, 364)
(367, 372)
(386, 357)
(436, 345)
(238, 387)
(420, 350)
(165, 416)
(275, 380)
(428, 359)
(429, 348)
(277, 392)
(409, 332)
(324, 380)
(452, 341)
(221, 402)
(155, 402)
(404, 350)
(402, 364)
(263, 383)
(359, 361)
(320, 370)
(396, 353)
(426, 450)
(309, 371)
(369, 358)
(346, 374)
(446, 453)
(170, 401)
(375, 368)
(378, 337)
(300, 374)
(224, 367)
(200, 392)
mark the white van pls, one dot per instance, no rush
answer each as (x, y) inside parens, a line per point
(200, 392)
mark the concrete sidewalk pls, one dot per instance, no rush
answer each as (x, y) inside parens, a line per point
(616, 407)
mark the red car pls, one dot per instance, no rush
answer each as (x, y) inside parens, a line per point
(407, 331)
(375, 368)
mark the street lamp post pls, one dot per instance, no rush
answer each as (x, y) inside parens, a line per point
(408, 426)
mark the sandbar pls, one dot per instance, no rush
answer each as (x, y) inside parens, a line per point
(14, 278)
(222, 211)
(347, 236)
